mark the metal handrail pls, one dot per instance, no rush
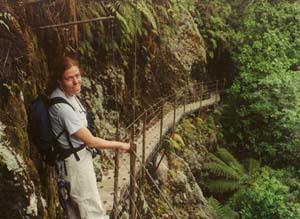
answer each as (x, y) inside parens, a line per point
(155, 110)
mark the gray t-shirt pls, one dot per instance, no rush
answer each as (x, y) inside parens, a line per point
(62, 116)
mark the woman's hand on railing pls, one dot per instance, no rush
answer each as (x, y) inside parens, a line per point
(124, 147)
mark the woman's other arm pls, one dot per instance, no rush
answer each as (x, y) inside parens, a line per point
(95, 142)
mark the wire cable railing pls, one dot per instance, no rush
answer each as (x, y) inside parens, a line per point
(168, 107)
(128, 197)
(197, 90)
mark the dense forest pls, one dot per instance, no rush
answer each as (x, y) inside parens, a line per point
(251, 169)
(243, 154)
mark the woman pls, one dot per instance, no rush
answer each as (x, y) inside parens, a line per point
(78, 172)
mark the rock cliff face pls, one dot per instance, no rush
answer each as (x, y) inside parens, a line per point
(27, 57)
(177, 178)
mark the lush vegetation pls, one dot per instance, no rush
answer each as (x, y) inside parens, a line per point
(261, 116)
(267, 195)
(236, 189)
(264, 99)
(251, 165)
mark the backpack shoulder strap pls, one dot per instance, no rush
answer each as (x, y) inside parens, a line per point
(56, 100)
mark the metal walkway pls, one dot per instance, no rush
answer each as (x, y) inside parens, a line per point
(153, 136)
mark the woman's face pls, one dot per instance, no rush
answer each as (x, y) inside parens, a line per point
(70, 81)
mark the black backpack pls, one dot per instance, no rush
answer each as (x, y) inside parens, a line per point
(40, 128)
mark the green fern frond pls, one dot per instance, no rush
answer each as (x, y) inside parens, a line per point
(174, 145)
(129, 19)
(213, 158)
(221, 185)
(85, 29)
(223, 211)
(252, 165)
(149, 13)
(162, 11)
(230, 160)
(221, 170)
(97, 8)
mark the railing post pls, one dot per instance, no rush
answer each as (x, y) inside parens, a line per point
(201, 97)
(174, 116)
(132, 176)
(116, 177)
(144, 149)
(161, 122)
(184, 103)
(194, 93)
(224, 83)
(142, 180)
(217, 88)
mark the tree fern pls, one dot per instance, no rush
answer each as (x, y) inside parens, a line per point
(220, 169)
(222, 172)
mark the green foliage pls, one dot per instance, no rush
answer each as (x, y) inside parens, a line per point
(182, 5)
(148, 11)
(91, 9)
(223, 211)
(264, 99)
(212, 18)
(252, 165)
(222, 172)
(176, 142)
(129, 18)
(266, 197)
(188, 132)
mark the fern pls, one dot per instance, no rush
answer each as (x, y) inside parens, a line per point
(149, 13)
(176, 142)
(230, 160)
(223, 172)
(86, 29)
(221, 185)
(162, 11)
(223, 211)
(252, 165)
(178, 139)
(129, 19)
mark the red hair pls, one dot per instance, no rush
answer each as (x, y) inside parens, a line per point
(65, 64)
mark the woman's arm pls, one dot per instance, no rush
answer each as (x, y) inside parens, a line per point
(95, 142)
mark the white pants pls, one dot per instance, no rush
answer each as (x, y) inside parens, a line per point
(84, 201)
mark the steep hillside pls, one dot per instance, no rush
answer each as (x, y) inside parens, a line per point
(149, 50)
